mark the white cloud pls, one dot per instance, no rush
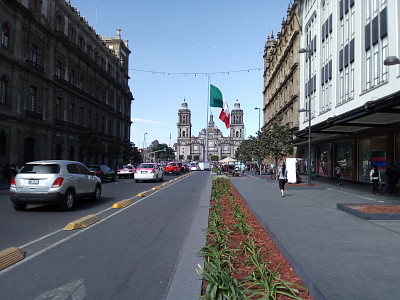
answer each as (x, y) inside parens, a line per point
(138, 120)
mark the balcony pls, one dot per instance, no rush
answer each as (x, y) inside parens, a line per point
(35, 66)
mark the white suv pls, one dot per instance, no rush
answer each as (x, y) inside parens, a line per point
(56, 182)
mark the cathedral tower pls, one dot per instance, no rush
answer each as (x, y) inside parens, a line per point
(237, 125)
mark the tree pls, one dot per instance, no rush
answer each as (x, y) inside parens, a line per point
(248, 150)
(91, 146)
(161, 151)
(276, 140)
(214, 157)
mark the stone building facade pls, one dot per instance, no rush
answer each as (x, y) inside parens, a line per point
(61, 84)
(281, 72)
(189, 147)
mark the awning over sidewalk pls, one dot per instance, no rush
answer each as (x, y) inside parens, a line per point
(382, 113)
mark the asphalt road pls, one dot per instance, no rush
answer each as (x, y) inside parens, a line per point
(131, 253)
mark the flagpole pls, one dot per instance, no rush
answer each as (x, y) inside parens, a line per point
(208, 103)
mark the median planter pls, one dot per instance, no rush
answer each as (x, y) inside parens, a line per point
(241, 261)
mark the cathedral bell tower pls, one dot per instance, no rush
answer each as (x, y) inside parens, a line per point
(237, 125)
(184, 132)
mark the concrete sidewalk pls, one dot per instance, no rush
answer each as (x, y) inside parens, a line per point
(337, 254)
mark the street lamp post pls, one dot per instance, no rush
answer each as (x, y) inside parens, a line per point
(259, 131)
(144, 146)
(259, 113)
(308, 110)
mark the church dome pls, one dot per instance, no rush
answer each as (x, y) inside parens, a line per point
(236, 106)
(184, 105)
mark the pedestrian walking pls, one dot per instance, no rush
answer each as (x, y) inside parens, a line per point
(281, 176)
(6, 174)
(313, 170)
(338, 173)
(374, 176)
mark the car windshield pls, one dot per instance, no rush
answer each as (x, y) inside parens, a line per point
(127, 167)
(146, 166)
(94, 168)
(41, 169)
(171, 164)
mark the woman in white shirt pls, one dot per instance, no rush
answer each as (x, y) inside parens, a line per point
(282, 177)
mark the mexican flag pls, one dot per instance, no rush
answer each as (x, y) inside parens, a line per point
(225, 116)
(217, 100)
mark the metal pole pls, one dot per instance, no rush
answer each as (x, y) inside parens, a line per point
(206, 143)
(309, 143)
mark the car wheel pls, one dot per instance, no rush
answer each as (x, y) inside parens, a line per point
(137, 180)
(68, 201)
(119, 176)
(113, 179)
(97, 193)
(19, 206)
(162, 178)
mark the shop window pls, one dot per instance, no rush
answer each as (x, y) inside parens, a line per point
(3, 143)
(372, 151)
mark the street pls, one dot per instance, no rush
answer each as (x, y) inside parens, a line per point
(131, 253)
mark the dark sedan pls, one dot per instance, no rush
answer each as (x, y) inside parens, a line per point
(104, 172)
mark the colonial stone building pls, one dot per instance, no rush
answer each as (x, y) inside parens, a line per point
(189, 147)
(281, 72)
(62, 86)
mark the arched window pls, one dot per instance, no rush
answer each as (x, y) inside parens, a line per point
(5, 35)
(60, 23)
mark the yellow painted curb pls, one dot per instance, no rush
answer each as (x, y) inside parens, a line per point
(82, 222)
(10, 256)
(122, 204)
(165, 184)
(156, 188)
(142, 194)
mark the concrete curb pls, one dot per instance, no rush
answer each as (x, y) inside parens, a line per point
(186, 283)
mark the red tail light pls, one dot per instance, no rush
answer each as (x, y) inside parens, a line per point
(98, 172)
(13, 182)
(57, 182)
(152, 171)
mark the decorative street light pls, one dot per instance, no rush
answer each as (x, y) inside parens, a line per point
(308, 111)
(259, 112)
(259, 132)
(391, 61)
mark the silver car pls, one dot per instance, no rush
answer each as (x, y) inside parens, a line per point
(55, 182)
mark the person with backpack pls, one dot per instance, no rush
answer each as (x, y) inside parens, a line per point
(338, 173)
(374, 175)
(282, 177)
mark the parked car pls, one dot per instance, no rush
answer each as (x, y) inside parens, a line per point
(172, 168)
(186, 166)
(104, 172)
(181, 167)
(148, 171)
(126, 171)
(194, 167)
(55, 182)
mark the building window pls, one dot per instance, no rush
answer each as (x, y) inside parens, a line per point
(89, 119)
(59, 71)
(35, 5)
(32, 99)
(71, 152)
(71, 34)
(72, 112)
(375, 43)
(33, 55)
(81, 43)
(59, 109)
(5, 35)
(72, 77)
(60, 23)
(3, 89)
(81, 119)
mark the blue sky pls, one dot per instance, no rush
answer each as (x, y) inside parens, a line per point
(190, 37)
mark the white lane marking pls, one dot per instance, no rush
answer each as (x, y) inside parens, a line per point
(74, 290)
